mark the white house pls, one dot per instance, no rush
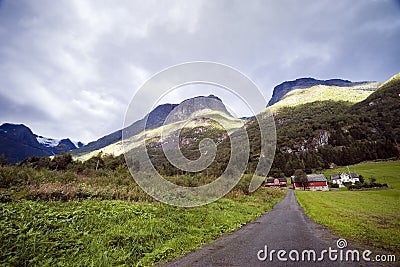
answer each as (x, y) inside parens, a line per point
(343, 178)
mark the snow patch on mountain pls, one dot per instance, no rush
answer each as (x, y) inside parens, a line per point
(48, 142)
(78, 144)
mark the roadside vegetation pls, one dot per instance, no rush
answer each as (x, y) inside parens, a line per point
(57, 212)
(108, 233)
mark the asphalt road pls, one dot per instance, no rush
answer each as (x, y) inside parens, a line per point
(285, 227)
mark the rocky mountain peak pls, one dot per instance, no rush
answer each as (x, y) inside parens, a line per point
(158, 117)
(18, 132)
(189, 106)
(282, 89)
(18, 142)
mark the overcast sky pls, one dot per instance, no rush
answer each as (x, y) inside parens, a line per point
(69, 68)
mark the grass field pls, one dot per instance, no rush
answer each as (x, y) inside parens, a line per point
(94, 232)
(371, 217)
(384, 172)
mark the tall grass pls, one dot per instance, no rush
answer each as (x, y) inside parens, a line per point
(103, 218)
(108, 233)
(41, 184)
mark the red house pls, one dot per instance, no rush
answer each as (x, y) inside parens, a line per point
(276, 182)
(315, 182)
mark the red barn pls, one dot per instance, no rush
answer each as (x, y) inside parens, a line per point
(315, 182)
(276, 182)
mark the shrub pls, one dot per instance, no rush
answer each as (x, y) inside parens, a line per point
(12, 176)
(348, 184)
(62, 161)
(69, 177)
(244, 183)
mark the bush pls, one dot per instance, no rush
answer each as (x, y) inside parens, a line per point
(348, 184)
(355, 186)
(371, 184)
(12, 176)
(69, 177)
(244, 183)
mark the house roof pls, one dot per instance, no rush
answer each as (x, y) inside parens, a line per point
(316, 178)
(354, 175)
(313, 178)
(335, 176)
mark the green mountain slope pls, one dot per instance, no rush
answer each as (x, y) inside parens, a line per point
(204, 119)
(318, 134)
(316, 128)
(353, 94)
(381, 110)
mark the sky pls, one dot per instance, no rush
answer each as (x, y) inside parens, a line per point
(70, 68)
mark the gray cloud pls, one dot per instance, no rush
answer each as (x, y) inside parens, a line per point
(15, 111)
(71, 67)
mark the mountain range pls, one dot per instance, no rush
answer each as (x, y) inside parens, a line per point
(156, 118)
(18, 142)
(300, 109)
(316, 128)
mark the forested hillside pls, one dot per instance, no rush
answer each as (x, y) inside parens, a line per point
(311, 136)
(316, 135)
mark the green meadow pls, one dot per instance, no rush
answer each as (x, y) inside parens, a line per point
(370, 217)
(385, 172)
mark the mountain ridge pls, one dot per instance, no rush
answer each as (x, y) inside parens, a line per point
(156, 118)
(322, 134)
(286, 87)
(18, 142)
(365, 91)
(311, 136)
